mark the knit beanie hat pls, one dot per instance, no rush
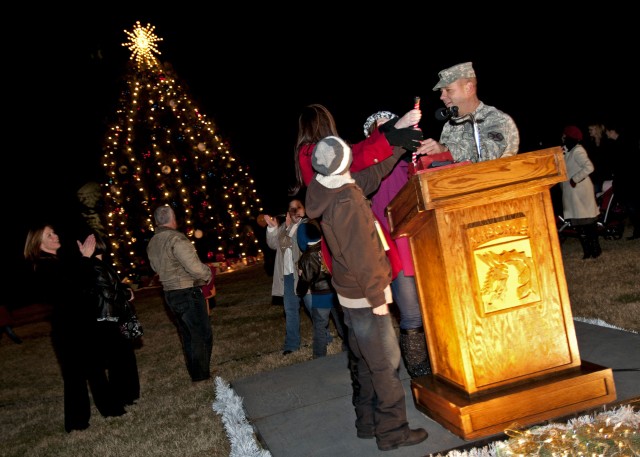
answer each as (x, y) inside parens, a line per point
(308, 233)
(331, 156)
(573, 132)
(374, 117)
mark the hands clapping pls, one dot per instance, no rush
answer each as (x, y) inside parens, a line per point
(88, 247)
(271, 221)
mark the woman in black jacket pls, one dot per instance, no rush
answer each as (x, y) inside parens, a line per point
(115, 363)
(61, 279)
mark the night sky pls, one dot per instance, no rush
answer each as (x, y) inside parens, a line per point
(252, 71)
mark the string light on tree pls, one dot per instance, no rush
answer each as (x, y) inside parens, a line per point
(162, 149)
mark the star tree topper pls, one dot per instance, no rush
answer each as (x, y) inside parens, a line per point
(142, 44)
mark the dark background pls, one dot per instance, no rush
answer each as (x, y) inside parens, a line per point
(252, 70)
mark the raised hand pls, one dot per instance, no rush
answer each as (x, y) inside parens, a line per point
(88, 247)
(271, 221)
(409, 119)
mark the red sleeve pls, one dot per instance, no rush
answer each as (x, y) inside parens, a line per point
(304, 160)
(392, 253)
(208, 290)
(369, 151)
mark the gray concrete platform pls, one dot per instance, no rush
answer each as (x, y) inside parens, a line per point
(305, 410)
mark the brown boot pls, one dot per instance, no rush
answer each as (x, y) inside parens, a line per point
(417, 435)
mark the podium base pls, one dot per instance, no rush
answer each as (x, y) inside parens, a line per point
(527, 404)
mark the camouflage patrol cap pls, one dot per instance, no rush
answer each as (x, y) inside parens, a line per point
(462, 70)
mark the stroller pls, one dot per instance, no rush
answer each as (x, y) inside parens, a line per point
(610, 223)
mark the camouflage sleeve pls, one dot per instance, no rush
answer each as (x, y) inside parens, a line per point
(499, 137)
(459, 139)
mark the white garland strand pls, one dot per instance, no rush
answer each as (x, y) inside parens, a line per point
(601, 323)
(243, 441)
(241, 435)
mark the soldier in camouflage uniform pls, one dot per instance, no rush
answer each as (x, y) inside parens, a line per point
(497, 132)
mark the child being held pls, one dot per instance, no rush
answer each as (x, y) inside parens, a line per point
(314, 278)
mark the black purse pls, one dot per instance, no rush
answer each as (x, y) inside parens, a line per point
(130, 326)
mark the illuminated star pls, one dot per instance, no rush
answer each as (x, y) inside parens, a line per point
(142, 44)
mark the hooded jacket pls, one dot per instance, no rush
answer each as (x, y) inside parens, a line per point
(360, 266)
(176, 260)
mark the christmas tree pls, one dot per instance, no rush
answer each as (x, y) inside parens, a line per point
(162, 149)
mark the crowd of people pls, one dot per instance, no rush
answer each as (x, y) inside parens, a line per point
(347, 188)
(334, 258)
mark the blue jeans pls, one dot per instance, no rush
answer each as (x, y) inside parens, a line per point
(190, 310)
(292, 314)
(405, 296)
(320, 318)
(380, 406)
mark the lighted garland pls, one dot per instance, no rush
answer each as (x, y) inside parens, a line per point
(607, 434)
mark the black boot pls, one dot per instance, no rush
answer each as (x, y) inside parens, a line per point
(584, 241)
(413, 346)
(592, 233)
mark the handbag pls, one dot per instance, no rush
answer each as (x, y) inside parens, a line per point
(130, 326)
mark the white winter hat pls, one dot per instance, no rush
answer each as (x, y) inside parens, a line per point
(331, 156)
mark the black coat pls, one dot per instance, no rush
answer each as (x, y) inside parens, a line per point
(108, 293)
(314, 274)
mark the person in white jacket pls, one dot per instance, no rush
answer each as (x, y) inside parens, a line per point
(578, 195)
(283, 239)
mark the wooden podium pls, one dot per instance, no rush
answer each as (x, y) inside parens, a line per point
(493, 296)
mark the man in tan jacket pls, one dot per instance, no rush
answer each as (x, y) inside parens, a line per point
(174, 258)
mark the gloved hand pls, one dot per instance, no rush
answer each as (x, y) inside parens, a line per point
(408, 138)
(389, 125)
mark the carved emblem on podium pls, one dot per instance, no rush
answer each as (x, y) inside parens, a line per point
(506, 275)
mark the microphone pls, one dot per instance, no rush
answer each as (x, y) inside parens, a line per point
(443, 114)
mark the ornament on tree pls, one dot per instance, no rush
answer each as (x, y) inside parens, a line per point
(196, 167)
(198, 233)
